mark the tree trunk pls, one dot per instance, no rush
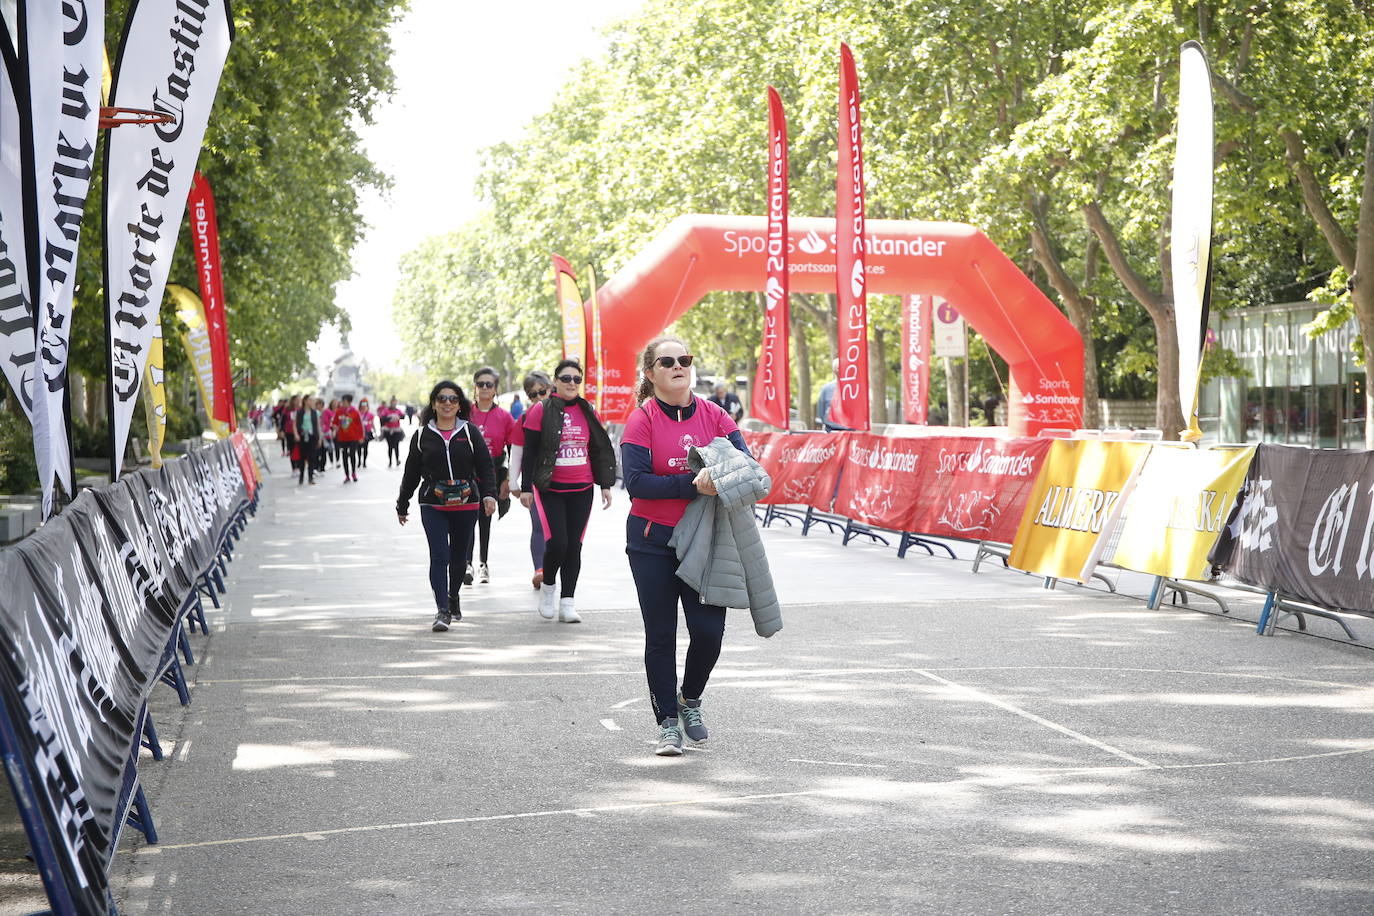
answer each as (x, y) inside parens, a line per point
(1168, 412)
(958, 396)
(1078, 307)
(802, 360)
(877, 377)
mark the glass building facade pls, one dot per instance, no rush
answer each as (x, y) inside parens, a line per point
(1299, 391)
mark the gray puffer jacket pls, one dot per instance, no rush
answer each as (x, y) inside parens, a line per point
(719, 549)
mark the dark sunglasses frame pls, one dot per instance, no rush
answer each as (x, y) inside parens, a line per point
(540, 393)
(485, 384)
(446, 399)
(667, 362)
(570, 379)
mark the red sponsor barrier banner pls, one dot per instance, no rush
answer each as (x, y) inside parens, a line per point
(804, 467)
(977, 488)
(881, 483)
(850, 407)
(916, 358)
(246, 463)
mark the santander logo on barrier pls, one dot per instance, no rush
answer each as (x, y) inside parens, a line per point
(812, 243)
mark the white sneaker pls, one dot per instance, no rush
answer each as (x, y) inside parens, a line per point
(566, 614)
(483, 575)
(548, 601)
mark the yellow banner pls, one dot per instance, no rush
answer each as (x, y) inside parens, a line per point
(574, 316)
(1074, 506)
(1177, 509)
(155, 397)
(196, 339)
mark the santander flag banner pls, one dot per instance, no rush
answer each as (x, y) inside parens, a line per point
(170, 60)
(916, 358)
(570, 308)
(18, 346)
(850, 407)
(772, 396)
(62, 45)
(1191, 226)
(205, 238)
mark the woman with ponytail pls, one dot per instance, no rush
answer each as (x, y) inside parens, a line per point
(670, 419)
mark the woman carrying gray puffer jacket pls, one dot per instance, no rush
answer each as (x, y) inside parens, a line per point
(669, 421)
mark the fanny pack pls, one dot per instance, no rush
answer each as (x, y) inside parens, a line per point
(452, 492)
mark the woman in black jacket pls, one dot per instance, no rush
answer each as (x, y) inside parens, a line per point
(452, 466)
(567, 454)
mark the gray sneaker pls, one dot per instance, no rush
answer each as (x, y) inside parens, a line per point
(669, 739)
(441, 621)
(689, 711)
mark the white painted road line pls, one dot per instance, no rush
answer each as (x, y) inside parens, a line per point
(838, 763)
(610, 725)
(988, 698)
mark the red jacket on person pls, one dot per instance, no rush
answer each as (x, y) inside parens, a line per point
(348, 424)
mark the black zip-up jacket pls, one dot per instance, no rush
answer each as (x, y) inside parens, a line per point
(541, 446)
(431, 459)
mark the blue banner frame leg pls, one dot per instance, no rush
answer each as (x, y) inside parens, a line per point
(195, 615)
(26, 800)
(172, 675)
(150, 735)
(852, 530)
(1156, 593)
(185, 645)
(1264, 628)
(141, 816)
(909, 540)
(205, 588)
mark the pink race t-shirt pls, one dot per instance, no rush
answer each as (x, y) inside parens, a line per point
(573, 461)
(497, 427)
(667, 441)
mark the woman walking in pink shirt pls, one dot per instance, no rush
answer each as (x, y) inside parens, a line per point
(670, 419)
(497, 428)
(567, 455)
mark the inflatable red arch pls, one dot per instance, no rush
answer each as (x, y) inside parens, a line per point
(696, 255)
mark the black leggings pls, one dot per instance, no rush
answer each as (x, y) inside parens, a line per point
(654, 566)
(449, 533)
(350, 457)
(393, 446)
(564, 516)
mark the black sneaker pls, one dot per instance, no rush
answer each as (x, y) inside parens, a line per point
(455, 610)
(441, 621)
(467, 576)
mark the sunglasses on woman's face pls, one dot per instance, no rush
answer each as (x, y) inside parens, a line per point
(570, 379)
(667, 362)
(446, 399)
(540, 392)
(486, 384)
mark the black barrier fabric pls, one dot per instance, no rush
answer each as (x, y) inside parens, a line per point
(87, 606)
(1303, 526)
